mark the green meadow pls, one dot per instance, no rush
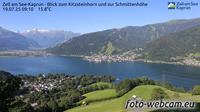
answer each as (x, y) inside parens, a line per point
(118, 104)
(99, 95)
(99, 84)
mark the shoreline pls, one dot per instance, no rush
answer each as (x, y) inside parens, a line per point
(165, 62)
(83, 58)
(24, 53)
(183, 63)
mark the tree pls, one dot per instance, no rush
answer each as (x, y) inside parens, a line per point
(123, 87)
(44, 108)
(126, 85)
(9, 85)
(63, 103)
(53, 105)
(176, 95)
(158, 94)
(182, 90)
(196, 90)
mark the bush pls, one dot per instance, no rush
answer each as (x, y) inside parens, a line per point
(196, 90)
(176, 95)
(158, 94)
(53, 105)
(181, 90)
(123, 87)
(128, 84)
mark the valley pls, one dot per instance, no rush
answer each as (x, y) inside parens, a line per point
(99, 56)
(173, 42)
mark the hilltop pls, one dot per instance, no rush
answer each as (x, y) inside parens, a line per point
(117, 104)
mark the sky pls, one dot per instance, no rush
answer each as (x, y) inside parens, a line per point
(90, 19)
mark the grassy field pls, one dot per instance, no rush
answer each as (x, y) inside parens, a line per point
(98, 84)
(99, 95)
(117, 104)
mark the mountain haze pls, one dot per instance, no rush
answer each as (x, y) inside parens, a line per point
(49, 38)
(13, 41)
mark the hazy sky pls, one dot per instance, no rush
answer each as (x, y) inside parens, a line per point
(89, 19)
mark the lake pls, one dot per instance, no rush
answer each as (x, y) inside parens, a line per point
(178, 75)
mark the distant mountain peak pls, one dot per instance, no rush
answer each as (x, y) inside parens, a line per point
(49, 38)
(37, 30)
(10, 40)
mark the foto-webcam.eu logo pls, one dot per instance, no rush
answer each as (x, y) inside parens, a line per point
(171, 5)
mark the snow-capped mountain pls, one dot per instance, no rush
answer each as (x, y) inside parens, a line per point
(49, 38)
(10, 40)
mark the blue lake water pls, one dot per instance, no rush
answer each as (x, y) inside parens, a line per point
(178, 75)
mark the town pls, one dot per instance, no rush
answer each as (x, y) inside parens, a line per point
(190, 61)
(126, 56)
(24, 53)
(43, 82)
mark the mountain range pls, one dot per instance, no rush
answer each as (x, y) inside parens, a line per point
(49, 38)
(123, 39)
(32, 39)
(176, 44)
(160, 41)
(13, 41)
